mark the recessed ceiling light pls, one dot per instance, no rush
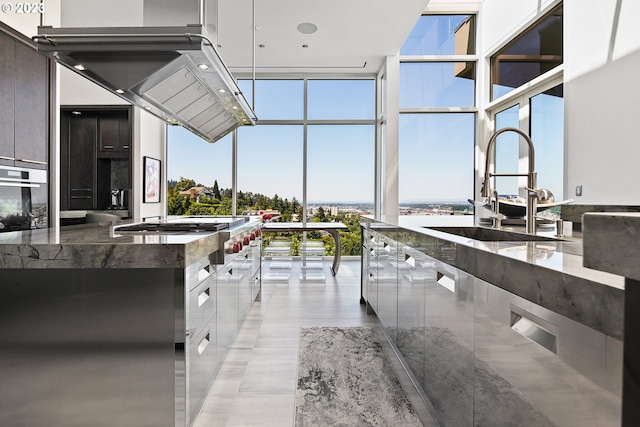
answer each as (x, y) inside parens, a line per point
(80, 67)
(203, 66)
(235, 107)
(119, 91)
(221, 90)
(305, 46)
(77, 113)
(261, 46)
(147, 108)
(307, 28)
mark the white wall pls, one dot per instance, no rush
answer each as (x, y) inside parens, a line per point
(76, 90)
(149, 137)
(602, 128)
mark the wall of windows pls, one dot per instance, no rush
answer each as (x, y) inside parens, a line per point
(329, 161)
(437, 95)
(300, 159)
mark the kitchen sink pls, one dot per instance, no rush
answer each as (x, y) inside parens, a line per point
(492, 235)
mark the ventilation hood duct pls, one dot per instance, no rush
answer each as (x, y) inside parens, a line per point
(174, 73)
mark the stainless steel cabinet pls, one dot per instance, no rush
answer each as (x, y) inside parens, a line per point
(482, 355)
(227, 314)
(387, 283)
(244, 264)
(202, 367)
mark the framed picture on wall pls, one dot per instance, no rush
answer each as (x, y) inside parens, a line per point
(151, 181)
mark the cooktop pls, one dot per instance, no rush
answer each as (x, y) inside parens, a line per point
(186, 224)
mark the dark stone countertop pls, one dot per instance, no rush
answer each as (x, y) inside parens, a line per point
(98, 246)
(549, 273)
(612, 243)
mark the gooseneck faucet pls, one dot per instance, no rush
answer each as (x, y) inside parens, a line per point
(531, 175)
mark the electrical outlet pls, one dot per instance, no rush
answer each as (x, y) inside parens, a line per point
(578, 190)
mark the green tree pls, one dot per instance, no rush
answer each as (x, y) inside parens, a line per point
(185, 184)
(320, 215)
(177, 204)
(216, 191)
(225, 207)
(200, 209)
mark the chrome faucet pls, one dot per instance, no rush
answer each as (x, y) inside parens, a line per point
(532, 195)
(496, 216)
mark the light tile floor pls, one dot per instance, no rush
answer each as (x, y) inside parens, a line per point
(256, 385)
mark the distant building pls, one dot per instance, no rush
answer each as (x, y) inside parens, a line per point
(333, 210)
(196, 193)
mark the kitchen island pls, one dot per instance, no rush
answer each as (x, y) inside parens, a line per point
(103, 326)
(497, 326)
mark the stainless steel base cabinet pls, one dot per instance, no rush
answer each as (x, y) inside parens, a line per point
(116, 347)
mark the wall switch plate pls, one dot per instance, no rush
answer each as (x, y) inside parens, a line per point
(578, 190)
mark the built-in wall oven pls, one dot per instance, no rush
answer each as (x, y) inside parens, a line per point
(23, 198)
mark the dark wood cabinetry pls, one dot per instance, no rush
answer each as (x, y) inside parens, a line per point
(81, 163)
(94, 156)
(114, 137)
(24, 105)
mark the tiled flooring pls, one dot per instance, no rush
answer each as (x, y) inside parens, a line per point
(256, 385)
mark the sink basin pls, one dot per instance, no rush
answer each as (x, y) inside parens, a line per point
(492, 235)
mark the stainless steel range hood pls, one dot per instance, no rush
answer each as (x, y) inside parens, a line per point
(173, 72)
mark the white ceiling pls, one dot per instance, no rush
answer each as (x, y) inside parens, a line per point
(353, 36)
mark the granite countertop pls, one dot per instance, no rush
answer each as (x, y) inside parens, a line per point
(98, 246)
(612, 243)
(549, 273)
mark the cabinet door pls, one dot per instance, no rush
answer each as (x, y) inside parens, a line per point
(109, 135)
(114, 134)
(82, 162)
(227, 311)
(7, 97)
(31, 107)
(243, 266)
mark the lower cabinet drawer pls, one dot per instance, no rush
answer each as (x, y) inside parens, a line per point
(201, 367)
(202, 304)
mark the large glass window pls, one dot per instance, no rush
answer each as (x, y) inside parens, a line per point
(337, 127)
(198, 174)
(269, 164)
(437, 120)
(437, 84)
(441, 35)
(507, 152)
(436, 162)
(276, 99)
(341, 99)
(340, 166)
(547, 133)
(531, 54)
